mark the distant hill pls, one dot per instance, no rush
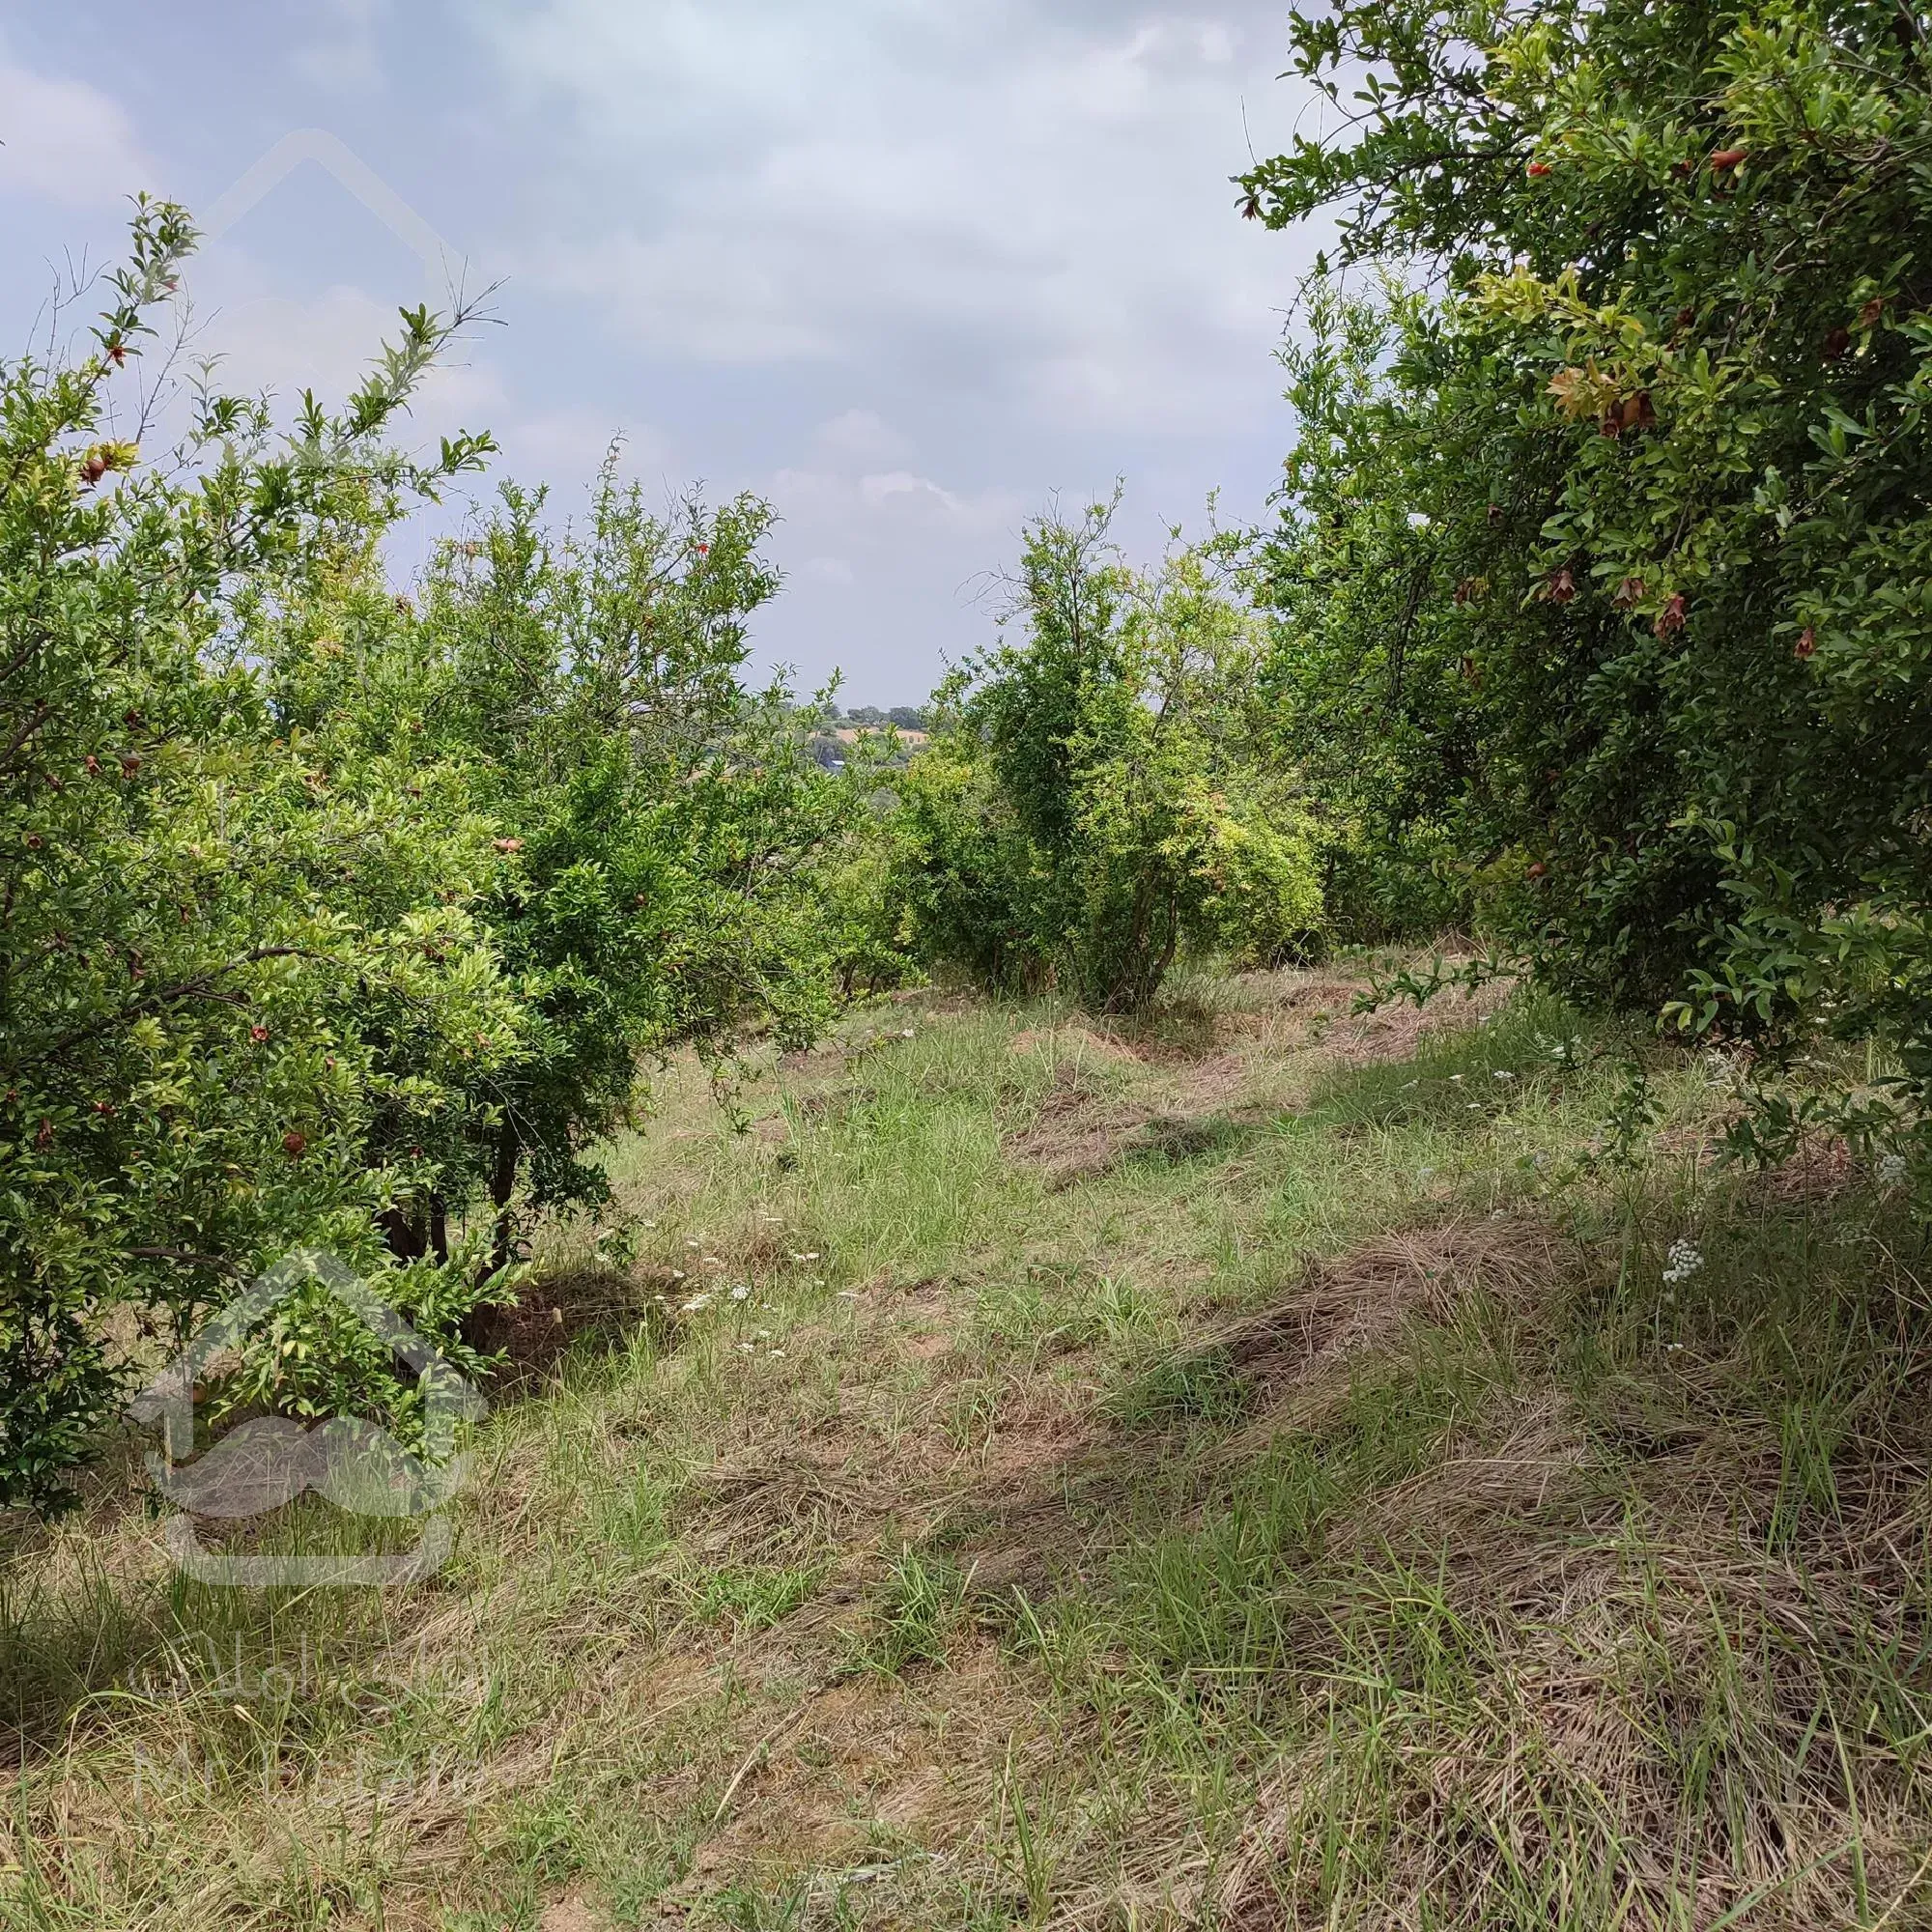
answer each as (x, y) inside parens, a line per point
(831, 744)
(845, 728)
(907, 717)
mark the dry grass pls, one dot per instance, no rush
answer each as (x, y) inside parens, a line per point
(1355, 1299)
(1234, 1471)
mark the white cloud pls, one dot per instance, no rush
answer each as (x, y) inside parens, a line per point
(695, 294)
(874, 491)
(566, 447)
(884, 507)
(329, 341)
(919, 554)
(65, 142)
(276, 344)
(863, 433)
(1033, 206)
(908, 266)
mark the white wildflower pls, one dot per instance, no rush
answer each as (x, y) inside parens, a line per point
(696, 1302)
(1891, 1169)
(740, 1292)
(1501, 1074)
(1683, 1261)
(1418, 520)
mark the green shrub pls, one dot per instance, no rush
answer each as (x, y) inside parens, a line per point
(329, 918)
(668, 835)
(233, 946)
(1091, 804)
(1611, 560)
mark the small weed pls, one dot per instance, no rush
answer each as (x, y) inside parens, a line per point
(1179, 1390)
(1121, 1308)
(753, 1599)
(745, 1909)
(1030, 1854)
(1177, 1141)
(916, 1616)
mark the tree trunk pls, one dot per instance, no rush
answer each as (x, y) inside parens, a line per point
(502, 1189)
(403, 1233)
(416, 1229)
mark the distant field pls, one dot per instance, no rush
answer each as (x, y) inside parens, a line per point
(1264, 1468)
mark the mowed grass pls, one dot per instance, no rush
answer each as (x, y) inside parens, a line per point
(1261, 1469)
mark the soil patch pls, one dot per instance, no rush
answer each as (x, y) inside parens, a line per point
(1080, 1133)
(551, 1313)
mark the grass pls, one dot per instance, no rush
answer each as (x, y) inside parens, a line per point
(920, 1608)
(1254, 1469)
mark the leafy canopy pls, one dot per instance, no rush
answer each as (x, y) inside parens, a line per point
(334, 919)
(1621, 522)
(1093, 802)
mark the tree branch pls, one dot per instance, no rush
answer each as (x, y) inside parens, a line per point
(201, 987)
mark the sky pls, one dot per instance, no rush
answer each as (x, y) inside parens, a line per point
(912, 271)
